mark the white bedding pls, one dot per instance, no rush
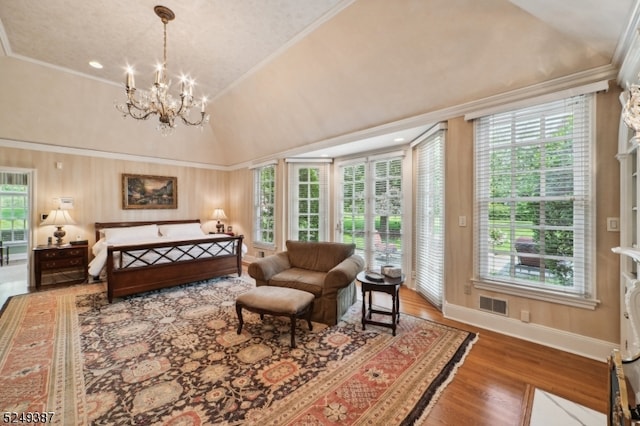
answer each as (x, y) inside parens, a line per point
(99, 250)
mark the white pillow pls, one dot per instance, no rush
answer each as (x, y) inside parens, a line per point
(98, 246)
(130, 233)
(181, 230)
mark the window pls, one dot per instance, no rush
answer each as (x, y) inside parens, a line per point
(430, 216)
(371, 210)
(13, 207)
(264, 205)
(534, 197)
(308, 197)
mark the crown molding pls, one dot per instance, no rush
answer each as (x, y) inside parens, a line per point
(35, 146)
(4, 40)
(627, 53)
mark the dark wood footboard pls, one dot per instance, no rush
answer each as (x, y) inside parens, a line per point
(137, 268)
(125, 279)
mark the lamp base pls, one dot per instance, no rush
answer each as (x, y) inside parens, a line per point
(219, 227)
(59, 234)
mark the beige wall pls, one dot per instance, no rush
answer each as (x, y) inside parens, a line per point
(44, 105)
(380, 61)
(602, 323)
(240, 201)
(95, 185)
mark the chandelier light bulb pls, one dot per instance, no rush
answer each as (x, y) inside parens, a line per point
(157, 100)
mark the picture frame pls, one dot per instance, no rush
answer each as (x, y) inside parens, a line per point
(149, 192)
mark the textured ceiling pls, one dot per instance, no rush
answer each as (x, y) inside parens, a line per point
(219, 41)
(216, 41)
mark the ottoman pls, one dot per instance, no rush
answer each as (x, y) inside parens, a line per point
(277, 301)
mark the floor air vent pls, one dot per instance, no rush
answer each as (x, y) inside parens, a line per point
(497, 306)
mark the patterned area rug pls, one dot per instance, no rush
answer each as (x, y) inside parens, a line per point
(173, 357)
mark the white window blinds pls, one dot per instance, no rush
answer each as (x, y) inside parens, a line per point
(534, 197)
(430, 218)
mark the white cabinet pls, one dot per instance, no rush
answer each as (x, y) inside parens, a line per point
(629, 228)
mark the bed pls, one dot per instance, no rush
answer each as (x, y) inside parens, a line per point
(144, 256)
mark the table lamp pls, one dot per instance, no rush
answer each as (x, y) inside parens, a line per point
(218, 214)
(58, 218)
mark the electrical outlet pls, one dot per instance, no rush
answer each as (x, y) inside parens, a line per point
(462, 221)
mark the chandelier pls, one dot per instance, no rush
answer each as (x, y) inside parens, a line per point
(631, 111)
(158, 100)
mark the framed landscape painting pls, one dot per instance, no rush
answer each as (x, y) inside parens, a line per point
(149, 192)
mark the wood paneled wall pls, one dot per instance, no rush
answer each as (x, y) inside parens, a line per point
(95, 184)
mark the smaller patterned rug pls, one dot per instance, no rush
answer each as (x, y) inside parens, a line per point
(173, 357)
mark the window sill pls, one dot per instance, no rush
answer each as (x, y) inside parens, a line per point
(537, 294)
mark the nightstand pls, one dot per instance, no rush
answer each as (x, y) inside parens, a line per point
(64, 264)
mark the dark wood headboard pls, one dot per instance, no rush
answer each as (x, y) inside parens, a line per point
(103, 225)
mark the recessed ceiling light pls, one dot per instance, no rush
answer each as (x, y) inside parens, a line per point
(96, 64)
(398, 140)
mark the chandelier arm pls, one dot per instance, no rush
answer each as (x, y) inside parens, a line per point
(186, 103)
(134, 112)
(131, 111)
(139, 111)
(133, 102)
(204, 118)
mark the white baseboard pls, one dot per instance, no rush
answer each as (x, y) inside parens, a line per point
(554, 338)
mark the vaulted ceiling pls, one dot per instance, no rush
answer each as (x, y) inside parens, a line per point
(299, 75)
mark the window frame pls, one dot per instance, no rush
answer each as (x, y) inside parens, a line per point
(376, 252)
(584, 294)
(322, 199)
(259, 207)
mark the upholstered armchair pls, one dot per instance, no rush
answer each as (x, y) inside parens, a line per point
(327, 270)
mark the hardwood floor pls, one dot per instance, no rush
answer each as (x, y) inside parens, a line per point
(492, 386)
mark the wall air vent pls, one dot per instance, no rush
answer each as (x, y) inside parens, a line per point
(497, 306)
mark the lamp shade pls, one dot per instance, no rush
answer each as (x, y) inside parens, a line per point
(218, 214)
(58, 218)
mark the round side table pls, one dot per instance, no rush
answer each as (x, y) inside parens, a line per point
(390, 286)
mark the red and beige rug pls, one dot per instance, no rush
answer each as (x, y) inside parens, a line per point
(173, 357)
